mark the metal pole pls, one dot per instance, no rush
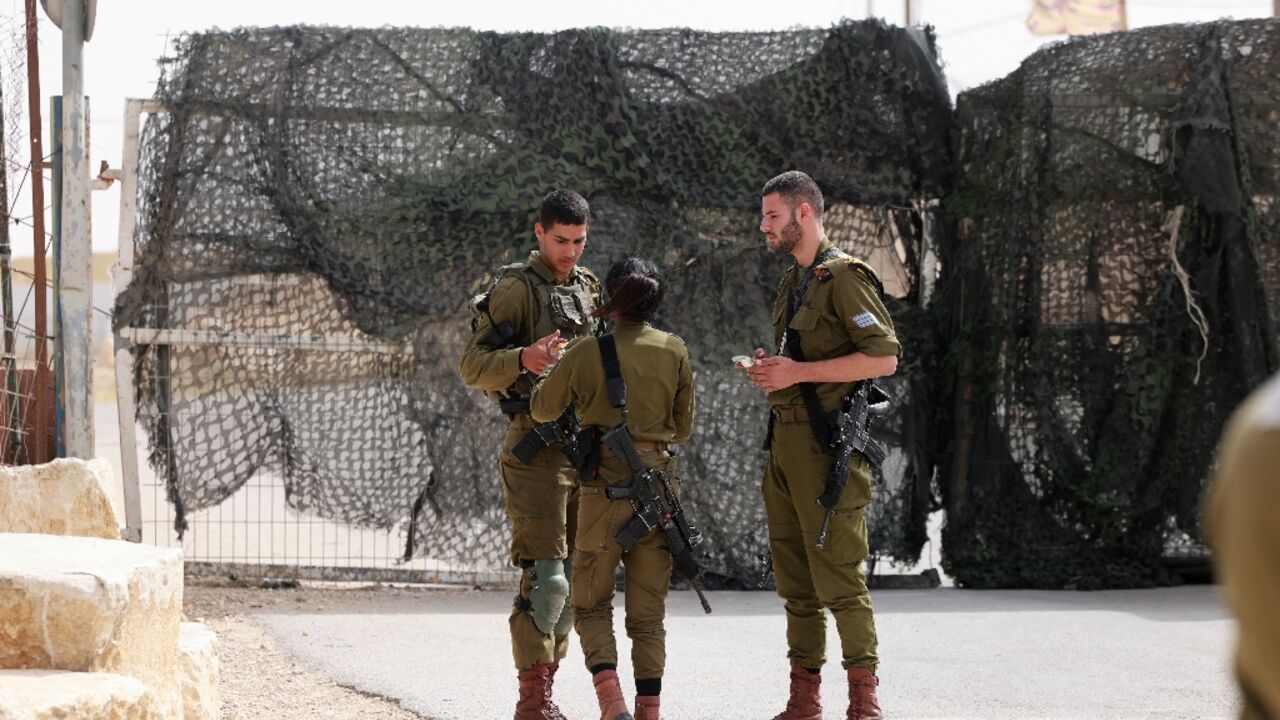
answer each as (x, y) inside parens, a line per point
(75, 273)
(121, 275)
(13, 419)
(55, 243)
(1124, 15)
(1275, 8)
(43, 403)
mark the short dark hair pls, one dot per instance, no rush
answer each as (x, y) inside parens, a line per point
(565, 207)
(634, 289)
(795, 187)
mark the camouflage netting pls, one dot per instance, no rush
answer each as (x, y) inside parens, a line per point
(347, 190)
(319, 203)
(1096, 185)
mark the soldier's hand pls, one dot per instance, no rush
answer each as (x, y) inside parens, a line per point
(542, 352)
(772, 374)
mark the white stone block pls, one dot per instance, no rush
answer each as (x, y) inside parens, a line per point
(65, 695)
(64, 497)
(86, 604)
(198, 673)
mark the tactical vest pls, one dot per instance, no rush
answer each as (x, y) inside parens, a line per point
(566, 308)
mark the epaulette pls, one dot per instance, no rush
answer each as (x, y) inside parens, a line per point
(830, 267)
(867, 273)
(843, 263)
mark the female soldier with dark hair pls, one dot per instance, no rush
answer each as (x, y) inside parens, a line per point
(658, 411)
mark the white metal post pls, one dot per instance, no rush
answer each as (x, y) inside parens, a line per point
(75, 272)
(121, 274)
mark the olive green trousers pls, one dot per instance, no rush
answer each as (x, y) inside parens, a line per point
(542, 499)
(646, 573)
(810, 579)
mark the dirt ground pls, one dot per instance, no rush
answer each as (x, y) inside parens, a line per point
(259, 681)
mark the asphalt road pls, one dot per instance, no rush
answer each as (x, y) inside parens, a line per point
(945, 653)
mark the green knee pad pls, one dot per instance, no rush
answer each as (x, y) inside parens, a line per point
(565, 623)
(550, 594)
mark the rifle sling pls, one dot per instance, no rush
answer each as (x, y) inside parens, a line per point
(808, 391)
(613, 382)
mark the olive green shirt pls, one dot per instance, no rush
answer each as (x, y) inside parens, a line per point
(510, 301)
(1242, 515)
(840, 314)
(659, 377)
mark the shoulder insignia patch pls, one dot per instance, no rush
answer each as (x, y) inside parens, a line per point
(822, 273)
(865, 320)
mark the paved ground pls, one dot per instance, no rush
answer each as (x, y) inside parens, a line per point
(946, 654)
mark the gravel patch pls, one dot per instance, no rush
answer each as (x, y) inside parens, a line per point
(257, 679)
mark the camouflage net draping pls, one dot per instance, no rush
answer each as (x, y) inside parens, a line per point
(1079, 419)
(347, 190)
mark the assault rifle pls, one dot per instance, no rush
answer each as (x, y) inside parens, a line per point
(850, 433)
(563, 430)
(656, 507)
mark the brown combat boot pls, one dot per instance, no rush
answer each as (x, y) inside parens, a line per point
(803, 703)
(535, 695)
(609, 693)
(646, 707)
(863, 704)
(552, 711)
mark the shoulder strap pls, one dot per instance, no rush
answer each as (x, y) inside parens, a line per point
(812, 405)
(613, 382)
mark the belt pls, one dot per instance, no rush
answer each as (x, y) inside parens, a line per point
(641, 445)
(789, 413)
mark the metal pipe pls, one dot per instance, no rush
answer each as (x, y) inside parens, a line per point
(55, 244)
(40, 335)
(121, 275)
(13, 428)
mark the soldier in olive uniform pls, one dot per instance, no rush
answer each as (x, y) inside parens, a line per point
(829, 305)
(522, 325)
(659, 411)
(1242, 514)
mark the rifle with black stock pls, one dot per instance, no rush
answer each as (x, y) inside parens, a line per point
(851, 432)
(563, 430)
(656, 507)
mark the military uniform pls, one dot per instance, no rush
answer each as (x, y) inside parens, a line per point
(541, 495)
(1243, 518)
(659, 378)
(839, 313)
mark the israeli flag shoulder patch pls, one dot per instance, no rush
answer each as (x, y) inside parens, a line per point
(865, 320)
